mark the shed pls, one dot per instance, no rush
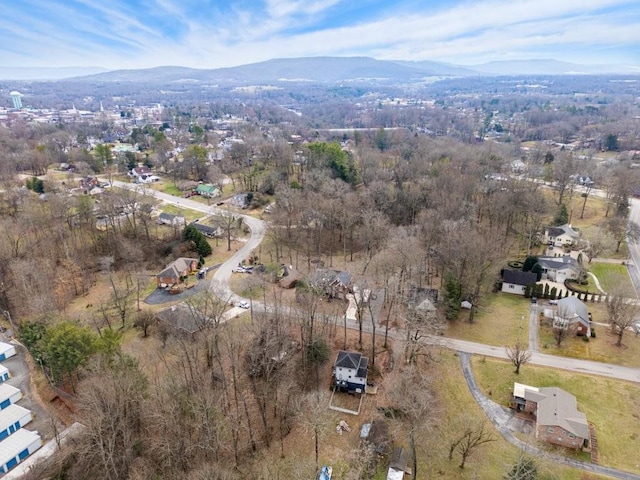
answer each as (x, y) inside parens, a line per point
(398, 464)
(18, 447)
(4, 374)
(12, 419)
(6, 351)
(8, 395)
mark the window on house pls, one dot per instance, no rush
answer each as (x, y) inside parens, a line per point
(571, 435)
(349, 376)
(510, 286)
(551, 429)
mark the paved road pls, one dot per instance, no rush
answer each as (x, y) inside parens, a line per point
(503, 420)
(220, 279)
(533, 327)
(220, 285)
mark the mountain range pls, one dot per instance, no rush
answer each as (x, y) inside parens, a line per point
(317, 70)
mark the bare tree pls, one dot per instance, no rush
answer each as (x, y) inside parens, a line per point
(623, 312)
(621, 231)
(411, 394)
(471, 438)
(518, 354)
(314, 415)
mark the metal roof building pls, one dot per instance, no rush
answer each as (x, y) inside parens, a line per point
(12, 419)
(17, 447)
(4, 374)
(6, 350)
(8, 395)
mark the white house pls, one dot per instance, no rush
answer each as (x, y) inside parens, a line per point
(170, 219)
(6, 351)
(9, 395)
(516, 281)
(559, 269)
(12, 419)
(350, 371)
(17, 447)
(560, 236)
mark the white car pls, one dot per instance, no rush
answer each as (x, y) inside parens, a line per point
(238, 270)
(243, 304)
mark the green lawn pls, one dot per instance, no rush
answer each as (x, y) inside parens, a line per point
(611, 275)
(610, 405)
(498, 321)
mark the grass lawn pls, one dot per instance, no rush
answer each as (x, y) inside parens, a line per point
(611, 405)
(187, 213)
(611, 275)
(498, 321)
(601, 348)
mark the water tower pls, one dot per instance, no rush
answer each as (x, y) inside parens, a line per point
(16, 99)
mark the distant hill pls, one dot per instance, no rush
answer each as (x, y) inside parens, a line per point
(549, 67)
(44, 73)
(319, 70)
(308, 69)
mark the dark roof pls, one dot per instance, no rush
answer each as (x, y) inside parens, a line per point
(348, 359)
(206, 229)
(330, 277)
(558, 263)
(554, 231)
(353, 360)
(518, 277)
(399, 459)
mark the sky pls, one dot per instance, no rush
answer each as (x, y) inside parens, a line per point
(127, 34)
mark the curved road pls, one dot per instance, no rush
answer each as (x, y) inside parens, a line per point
(220, 286)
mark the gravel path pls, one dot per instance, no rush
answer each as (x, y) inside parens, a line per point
(506, 424)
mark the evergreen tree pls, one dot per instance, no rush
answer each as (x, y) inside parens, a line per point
(529, 263)
(452, 296)
(562, 215)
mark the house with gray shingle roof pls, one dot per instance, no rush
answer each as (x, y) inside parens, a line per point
(176, 271)
(350, 371)
(558, 419)
(516, 281)
(559, 269)
(560, 236)
(572, 313)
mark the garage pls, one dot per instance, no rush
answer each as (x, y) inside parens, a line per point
(4, 374)
(18, 447)
(8, 395)
(12, 419)
(6, 351)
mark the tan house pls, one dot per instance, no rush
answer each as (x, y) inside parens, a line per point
(558, 420)
(560, 236)
(176, 271)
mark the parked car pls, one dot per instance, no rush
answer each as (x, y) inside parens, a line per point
(239, 270)
(243, 304)
(553, 301)
(534, 299)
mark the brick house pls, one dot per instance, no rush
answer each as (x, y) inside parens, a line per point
(176, 271)
(558, 420)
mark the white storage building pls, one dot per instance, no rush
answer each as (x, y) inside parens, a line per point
(4, 374)
(8, 395)
(17, 447)
(6, 350)
(12, 419)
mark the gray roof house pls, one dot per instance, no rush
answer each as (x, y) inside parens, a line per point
(559, 269)
(170, 219)
(572, 312)
(516, 281)
(350, 371)
(335, 283)
(559, 236)
(558, 419)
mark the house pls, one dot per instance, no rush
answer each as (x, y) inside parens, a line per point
(9, 395)
(87, 183)
(558, 420)
(12, 419)
(207, 231)
(559, 269)
(176, 271)
(139, 171)
(335, 283)
(147, 178)
(572, 313)
(398, 464)
(560, 236)
(516, 281)
(240, 200)
(17, 447)
(290, 277)
(169, 219)
(350, 371)
(423, 301)
(6, 351)
(207, 190)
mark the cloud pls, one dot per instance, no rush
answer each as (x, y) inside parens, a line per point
(206, 34)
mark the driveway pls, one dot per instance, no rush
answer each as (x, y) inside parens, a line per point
(507, 424)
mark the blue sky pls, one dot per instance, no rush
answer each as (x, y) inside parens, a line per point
(219, 33)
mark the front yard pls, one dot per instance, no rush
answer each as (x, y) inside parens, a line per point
(610, 405)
